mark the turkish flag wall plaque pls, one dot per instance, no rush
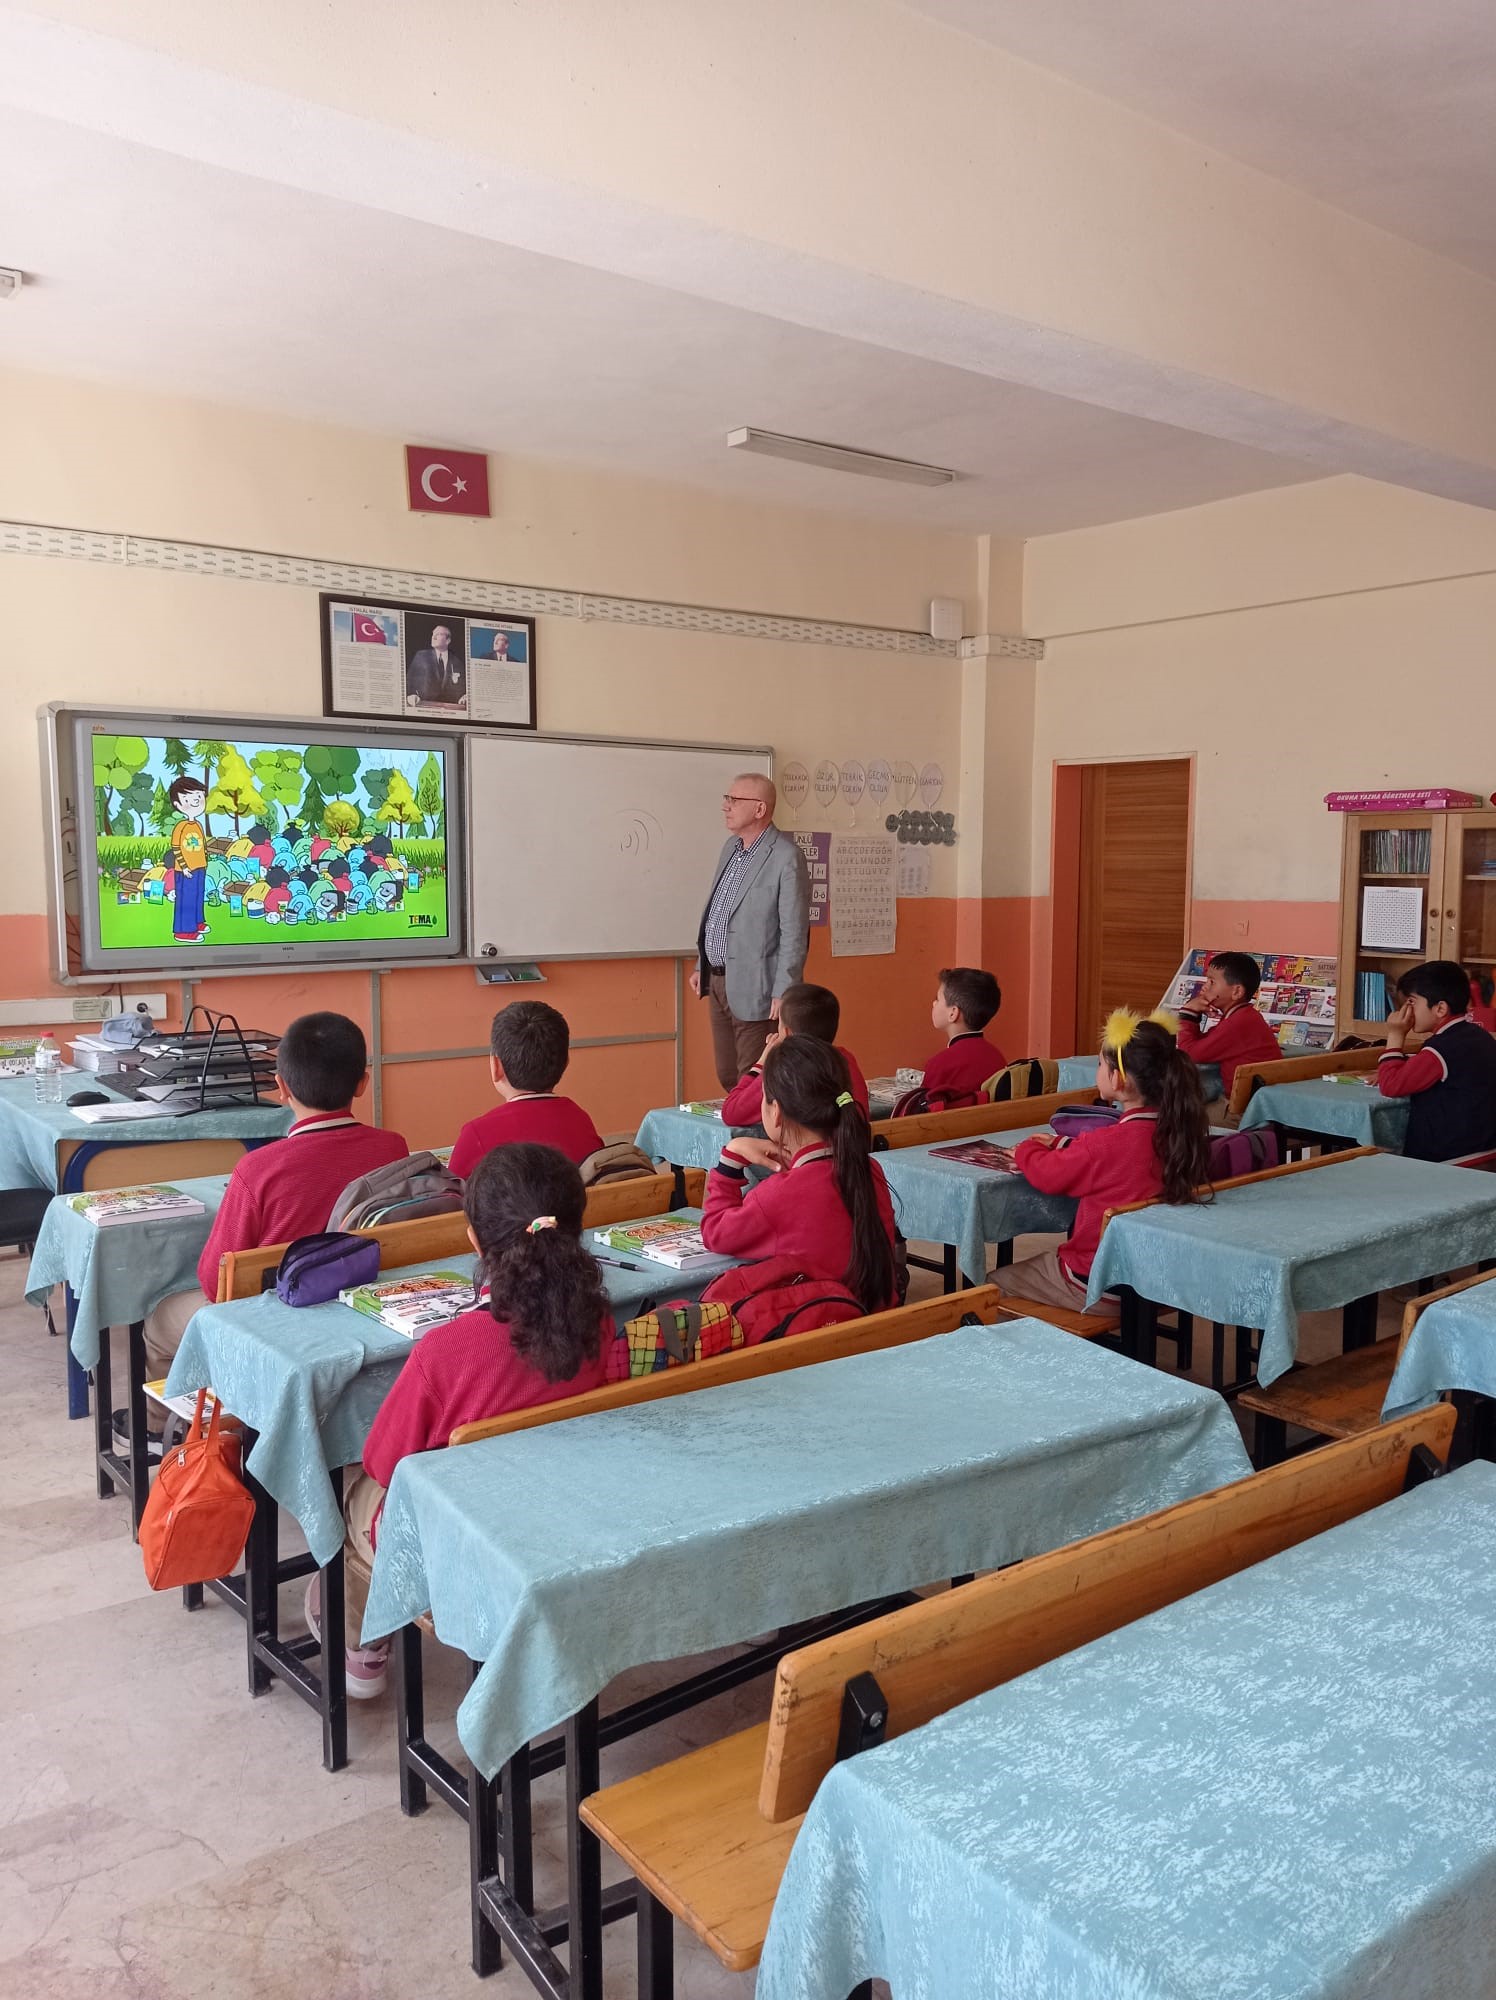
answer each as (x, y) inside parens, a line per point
(446, 482)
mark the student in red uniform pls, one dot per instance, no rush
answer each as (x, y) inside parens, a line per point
(538, 1336)
(1239, 1033)
(825, 1203)
(965, 1001)
(803, 1010)
(288, 1189)
(1159, 1146)
(1452, 1078)
(530, 1046)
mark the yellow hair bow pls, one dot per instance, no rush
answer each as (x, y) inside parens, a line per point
(1122, 1024)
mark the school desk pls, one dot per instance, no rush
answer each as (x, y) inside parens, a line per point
(1077, 1071)
(1331, 1110)
(1279, 1786)
(562, 1556)
(47, 1146)
(967, 1207)
(683, 1138)
(114, 1277)
(1452, 1346)
(1260, 1255)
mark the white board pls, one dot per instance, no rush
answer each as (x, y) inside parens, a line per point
(584, 848)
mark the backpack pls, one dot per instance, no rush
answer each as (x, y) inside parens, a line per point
(774, 1297)
(196, 1521)
(1071, 1121)
(1032, 1077)
(910, 1104)
(1234, 1153)
(680, 1331)
(316, 1268)
(620, 1161)
(402, 1191)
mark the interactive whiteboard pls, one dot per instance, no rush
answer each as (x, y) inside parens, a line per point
(592, 848)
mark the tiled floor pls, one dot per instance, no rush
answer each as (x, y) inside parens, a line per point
(162, 1836)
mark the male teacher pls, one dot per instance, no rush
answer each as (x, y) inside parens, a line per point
(755, 930)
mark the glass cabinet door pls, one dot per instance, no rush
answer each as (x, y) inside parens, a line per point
(1470, 894)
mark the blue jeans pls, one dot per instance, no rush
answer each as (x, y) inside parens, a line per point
(191, 888)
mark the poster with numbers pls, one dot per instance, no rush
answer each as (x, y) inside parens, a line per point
(816, 847)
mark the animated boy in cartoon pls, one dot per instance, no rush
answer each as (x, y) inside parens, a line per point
(189, 859)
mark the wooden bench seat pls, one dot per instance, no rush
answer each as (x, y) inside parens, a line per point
(1089, 1326)
(1338, 1398)
(708, 1835)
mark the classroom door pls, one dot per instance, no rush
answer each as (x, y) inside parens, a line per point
(1133, 888)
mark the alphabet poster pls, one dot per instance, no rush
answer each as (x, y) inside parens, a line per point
(864, 913)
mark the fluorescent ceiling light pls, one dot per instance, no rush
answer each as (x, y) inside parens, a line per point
(839, 458)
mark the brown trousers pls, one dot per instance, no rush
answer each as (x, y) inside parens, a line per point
(737, 1045)
(1043, 1279)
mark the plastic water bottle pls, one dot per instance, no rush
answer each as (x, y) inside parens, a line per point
(47, 1071)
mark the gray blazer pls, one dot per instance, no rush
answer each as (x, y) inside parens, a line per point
(768, 928)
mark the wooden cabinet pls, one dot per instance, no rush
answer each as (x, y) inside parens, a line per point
(1449, 858)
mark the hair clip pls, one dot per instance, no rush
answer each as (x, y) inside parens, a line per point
(540, 1222)
(843, 1099)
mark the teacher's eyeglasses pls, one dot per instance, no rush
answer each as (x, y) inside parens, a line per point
(740, 799)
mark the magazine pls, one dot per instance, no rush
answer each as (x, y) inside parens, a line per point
(704, 1107)
(413, 1305)
(674, 1240)
(108, 1206)
(976, 1153)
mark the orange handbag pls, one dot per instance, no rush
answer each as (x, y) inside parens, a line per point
(197, 1519)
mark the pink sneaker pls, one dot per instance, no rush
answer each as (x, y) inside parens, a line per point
(365, 1668)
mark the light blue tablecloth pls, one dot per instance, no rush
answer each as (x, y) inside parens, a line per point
(564, 1555)
(683, 1138)
(1078, 1072)
(30, 1132)
(1333, 1110)
(946, 1201)
(310, 1379)
(1277, 1789)
(119, 1274)
(1261, 1255)
(1452, 1346)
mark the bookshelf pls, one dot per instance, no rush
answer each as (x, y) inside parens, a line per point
(1448, 859)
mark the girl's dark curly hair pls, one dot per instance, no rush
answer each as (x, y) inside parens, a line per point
(541, 1281)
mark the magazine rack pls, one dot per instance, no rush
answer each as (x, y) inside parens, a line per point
(211, 1067)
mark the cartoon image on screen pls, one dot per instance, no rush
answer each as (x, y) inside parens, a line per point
(211, 843)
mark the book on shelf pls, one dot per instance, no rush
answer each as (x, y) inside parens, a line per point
(976, 1153)
(1373, 996)
(674, 1240)
(1396, 850)
(108, 1206)
(413, 1305)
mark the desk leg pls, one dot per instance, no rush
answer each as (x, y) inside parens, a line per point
(334, 1702)
(584, 1861)
(408, 1675)
(516, 1851)
(950, 1276)
(1358, 1321)
(261, 1610)
(77, 1378)
(140, 1458)
(103, 1397)
(483, 1865)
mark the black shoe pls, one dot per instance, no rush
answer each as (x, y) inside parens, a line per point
(119, 1424)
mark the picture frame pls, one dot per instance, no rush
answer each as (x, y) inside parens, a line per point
(389, 660)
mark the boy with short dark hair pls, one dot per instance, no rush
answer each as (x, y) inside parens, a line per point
(803, 1010)
(966, 999)
(1452, 1078)
(1240, 1034)
(289, 1188)
(530, 1046)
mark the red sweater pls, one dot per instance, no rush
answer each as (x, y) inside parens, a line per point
(288, 1189)
(1241, 1035)
(458, 1374)
(543, 1120)
(954, 1076)
(795, 1213)
(745, 1104)
(1106, 1168)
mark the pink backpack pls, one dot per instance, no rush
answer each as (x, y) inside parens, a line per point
(775, 1297)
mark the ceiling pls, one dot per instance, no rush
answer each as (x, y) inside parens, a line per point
(1384, 108)
(165, 273)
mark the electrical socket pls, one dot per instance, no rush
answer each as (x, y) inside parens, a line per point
(76, 1008)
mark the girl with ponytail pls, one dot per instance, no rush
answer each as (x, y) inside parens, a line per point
(1159, 1147)
(826, 1203)
(536, 1337)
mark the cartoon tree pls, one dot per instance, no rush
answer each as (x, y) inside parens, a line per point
(176, 756)
(429, 802)
(342, 817)
(399, 807)
(136, 798)
(208, 752)
(234, 789)
(334, 766)
(163, 812)
(278, 775)
(313, 809)
(117, 760)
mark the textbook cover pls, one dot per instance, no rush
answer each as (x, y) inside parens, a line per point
(976, 1153)
(109, 1206)
(414, 1305)
(674, 1240)
(704, 1107)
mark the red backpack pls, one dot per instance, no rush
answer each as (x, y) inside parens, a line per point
(775, 1297)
